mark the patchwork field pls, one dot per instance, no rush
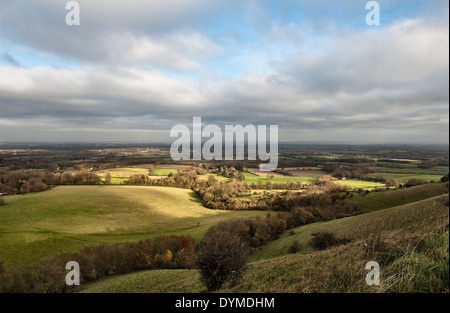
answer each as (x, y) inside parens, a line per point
(66, 218)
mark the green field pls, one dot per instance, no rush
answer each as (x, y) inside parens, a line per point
(117, 180)
(338, 269)
(252, 178)
(359, 184)
(164, 171)
(66, 218)
(405, 171)
(220, 178)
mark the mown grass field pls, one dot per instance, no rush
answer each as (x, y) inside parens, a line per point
(219, 178)
(164, 171)
(124, 172)
(415, 256)
(117, 181)
(252, 178)
(357, 184)
(66, 218)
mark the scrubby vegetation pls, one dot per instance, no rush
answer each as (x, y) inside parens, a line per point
(325, 239)
(98, 262)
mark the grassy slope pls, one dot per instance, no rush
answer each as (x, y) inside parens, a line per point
(66, 218)
(338, 269)
(154, 281)
(387, 199)
(341, 269)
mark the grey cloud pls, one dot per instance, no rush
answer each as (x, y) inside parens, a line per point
(9, 59)
(390, 84)
(155, 33)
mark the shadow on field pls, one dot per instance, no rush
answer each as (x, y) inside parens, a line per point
(195, 198)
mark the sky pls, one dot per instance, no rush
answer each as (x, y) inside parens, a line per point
(134, 69)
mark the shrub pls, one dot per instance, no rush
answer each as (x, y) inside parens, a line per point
(295, 247)
(323, 240)
(414, 182)
(221, 257)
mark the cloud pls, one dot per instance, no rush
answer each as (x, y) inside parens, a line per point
(8, 59)
(376, 84)
(155, 33)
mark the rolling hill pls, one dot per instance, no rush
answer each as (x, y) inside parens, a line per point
(409, 241)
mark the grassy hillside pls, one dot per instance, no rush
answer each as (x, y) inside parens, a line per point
(410, 242)
(66, 218)
(154, 281)
(390, 198)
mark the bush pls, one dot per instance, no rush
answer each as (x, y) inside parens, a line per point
(295, 247)
(323, 240)
(221, 257)
(414, 182)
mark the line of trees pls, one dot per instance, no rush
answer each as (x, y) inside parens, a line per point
(36, 181)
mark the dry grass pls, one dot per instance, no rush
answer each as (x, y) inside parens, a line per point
(410, 243)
